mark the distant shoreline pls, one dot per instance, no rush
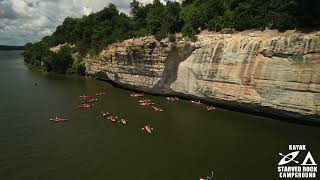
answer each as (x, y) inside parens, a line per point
(10, 48)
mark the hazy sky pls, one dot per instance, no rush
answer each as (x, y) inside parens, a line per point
(23, 21)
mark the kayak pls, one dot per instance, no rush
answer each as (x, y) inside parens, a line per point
(156, 109)
(146, 104)
(123, 121)
(144, 100)
(100, 93)
(210, 108)
(84, 106)
(112, 118)
(172, 98)
(91, 100)
(137, 95)
(58, 119)
(85, 97)
(104, 114)
(148, 129)
(198, 103)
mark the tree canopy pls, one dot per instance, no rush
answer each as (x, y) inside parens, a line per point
(91, 33)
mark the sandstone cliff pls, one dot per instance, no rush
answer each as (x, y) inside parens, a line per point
(276, 73)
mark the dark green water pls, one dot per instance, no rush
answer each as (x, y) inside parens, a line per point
(188, 142)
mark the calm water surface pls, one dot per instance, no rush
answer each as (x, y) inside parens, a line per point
(188, 142)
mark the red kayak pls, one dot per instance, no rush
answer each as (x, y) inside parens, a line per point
(148, 129)
(198, 103)
(146, 104)
(58, 119)
(91, 100)
(144, 100)
(85, 97)
(137, 95)
(112, 118)
(156, 109)
(85, 106)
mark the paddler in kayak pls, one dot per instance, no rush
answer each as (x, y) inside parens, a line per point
(144, 100)
(91, 100)
(104, 114)
(148, 129)
(210, 108)
(155, 108)
(123, 121)
(113, 118)
(56, 119)
(85, 97)
(85, 106)
(100, 93)
(198, 103)
(137, 95)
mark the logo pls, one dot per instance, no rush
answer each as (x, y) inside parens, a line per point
(291, 166)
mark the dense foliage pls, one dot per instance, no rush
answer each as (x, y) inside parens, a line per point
(91, 33)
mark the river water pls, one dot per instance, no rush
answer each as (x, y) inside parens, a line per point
(187, 143)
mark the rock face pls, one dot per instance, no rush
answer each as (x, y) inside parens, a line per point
(142, 64)
(270, 72)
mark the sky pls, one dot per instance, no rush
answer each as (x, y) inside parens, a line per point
(23, 21)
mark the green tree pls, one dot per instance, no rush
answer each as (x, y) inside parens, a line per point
(62, 60)
(155, 16)
(172, 17)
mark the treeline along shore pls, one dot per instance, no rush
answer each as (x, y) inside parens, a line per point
(90, 34)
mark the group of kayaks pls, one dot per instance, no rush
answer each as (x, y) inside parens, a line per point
(87, 101)
(199, 103)
(113, 118)
(149, 104)
(146, 102)
(172, 98)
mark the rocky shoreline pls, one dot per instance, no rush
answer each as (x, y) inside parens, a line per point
(262, 72)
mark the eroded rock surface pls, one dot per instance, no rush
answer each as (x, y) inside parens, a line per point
(142, 64)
